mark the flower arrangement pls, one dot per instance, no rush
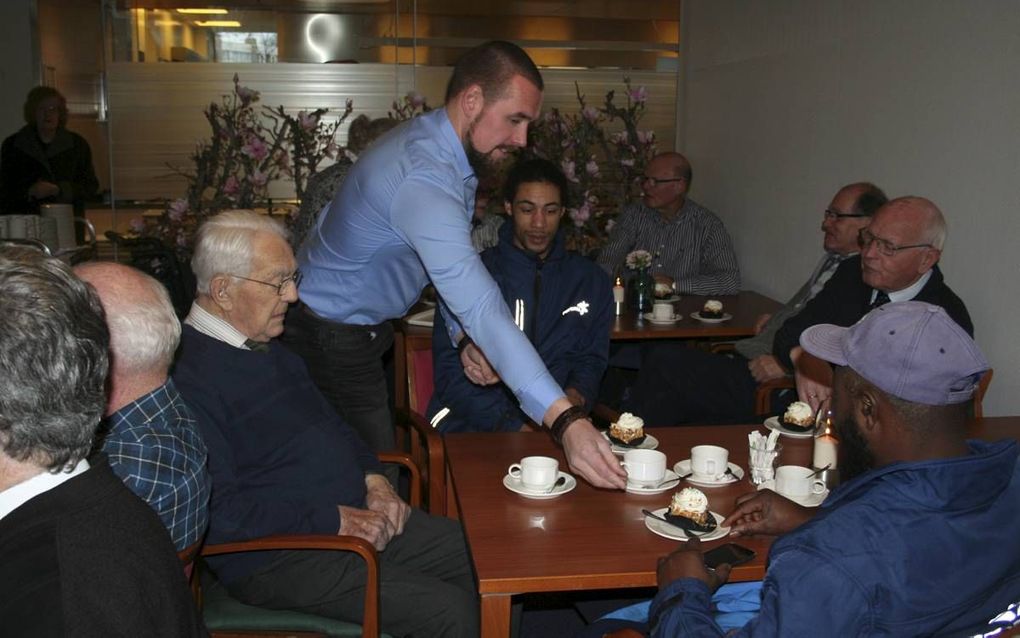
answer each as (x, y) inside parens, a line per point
(639, 259)
(249, 147)
(603, 168)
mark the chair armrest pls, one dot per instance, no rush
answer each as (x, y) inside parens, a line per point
(428, 449)
(370, 623)
(404, 459)
(763, 395)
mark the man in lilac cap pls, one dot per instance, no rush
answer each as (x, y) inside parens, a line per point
(920, 538)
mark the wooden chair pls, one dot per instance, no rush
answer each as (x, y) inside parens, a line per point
(763, 395)
(414, 386)
(225, 617)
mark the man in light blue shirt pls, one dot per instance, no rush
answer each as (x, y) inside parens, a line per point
(402, 218)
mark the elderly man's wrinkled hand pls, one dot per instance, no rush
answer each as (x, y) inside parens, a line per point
(766, 513)
(766, 368)
(382, 499)
(588, 454)
(371, 526)
(689, 562)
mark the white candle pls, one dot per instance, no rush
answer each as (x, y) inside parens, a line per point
(618, 291)
(826, 447)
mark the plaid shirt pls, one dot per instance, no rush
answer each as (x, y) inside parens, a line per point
(154, 446)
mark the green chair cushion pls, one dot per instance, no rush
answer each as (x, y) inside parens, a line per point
(221, 612)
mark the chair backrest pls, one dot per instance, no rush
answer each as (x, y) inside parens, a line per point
(420, 381)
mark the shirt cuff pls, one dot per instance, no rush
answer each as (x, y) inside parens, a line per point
(538, 396)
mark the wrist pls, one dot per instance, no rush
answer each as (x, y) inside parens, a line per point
(464, 342)
(568, 417)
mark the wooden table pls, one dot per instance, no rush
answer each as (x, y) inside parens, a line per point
(590, 539)
(746, 306)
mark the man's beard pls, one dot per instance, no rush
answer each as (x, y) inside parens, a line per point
(855, 457)
(482, 163)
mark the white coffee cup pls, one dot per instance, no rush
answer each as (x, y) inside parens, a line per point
(645, 467)
(796, 481)
(535, 472)
(709, 461)
(662, 310)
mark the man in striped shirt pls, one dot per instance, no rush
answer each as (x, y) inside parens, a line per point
(690, 244)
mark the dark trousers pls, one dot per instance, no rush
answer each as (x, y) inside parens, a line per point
(346, 363)
(678, 385)
(427, 587)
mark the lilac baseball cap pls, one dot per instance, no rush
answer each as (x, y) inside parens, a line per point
(910, 349)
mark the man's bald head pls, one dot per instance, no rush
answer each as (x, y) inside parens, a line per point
(903, 241)
(144, 331)
(667, 179)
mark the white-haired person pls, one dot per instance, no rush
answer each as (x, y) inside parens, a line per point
(80, 555)
(284, 462)
(149, 436)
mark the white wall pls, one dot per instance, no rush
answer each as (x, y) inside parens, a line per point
(787, 100)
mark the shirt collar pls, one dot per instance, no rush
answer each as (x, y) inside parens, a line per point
(212, 326)
(14, 497)
(909, 292)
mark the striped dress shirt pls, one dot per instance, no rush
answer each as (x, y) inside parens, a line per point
(693, 248)
(154, 447)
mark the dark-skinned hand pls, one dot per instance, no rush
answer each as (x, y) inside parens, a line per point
(766, 513)
(689, 562)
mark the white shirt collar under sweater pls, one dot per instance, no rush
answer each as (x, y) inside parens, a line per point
(14, 497)
(212, 326)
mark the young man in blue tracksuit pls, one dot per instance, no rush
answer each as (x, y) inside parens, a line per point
(560, 300)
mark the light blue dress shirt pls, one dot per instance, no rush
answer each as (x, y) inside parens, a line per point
(402, 217)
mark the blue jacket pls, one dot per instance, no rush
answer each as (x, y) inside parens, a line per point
(573, 344)
(910, 549)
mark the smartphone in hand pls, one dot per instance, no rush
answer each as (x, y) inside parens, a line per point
(729, 553)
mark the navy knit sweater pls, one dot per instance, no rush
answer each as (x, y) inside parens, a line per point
(280, 457)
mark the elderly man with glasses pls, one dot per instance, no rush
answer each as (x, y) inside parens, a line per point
(691, 246)
(898, 261)
(283, 461)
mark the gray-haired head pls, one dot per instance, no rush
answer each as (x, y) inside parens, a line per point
(53, 361)
(144, 330)
(223, 244)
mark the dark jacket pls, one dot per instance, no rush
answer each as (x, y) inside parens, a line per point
(846, 298)
(280, 457)
(89, 558)
(573, 345)
(66, 162)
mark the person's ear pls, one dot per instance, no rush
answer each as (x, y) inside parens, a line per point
(472, 101)
(509, 208)
(931, 257)
(219, 291)
(867, 411)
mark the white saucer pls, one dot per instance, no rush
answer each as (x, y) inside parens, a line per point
(671, 531)
(811, 500)
(514, 485)
(684, 467)
(634, 488)
(773, 423)
(662, 322)
(725, 317)
(650, 443)
(669, 299)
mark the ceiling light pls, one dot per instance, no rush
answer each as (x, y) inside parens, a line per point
(218, 23)
(204, 11)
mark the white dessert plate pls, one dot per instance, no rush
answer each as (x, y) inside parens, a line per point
(811, 500)
(423, 318)
(773, 423)
(725, 317)
(662, 322)
(514, 485)
(670, 299)
(665, 483)
(673, 532)
(684, 467)
(650, 443)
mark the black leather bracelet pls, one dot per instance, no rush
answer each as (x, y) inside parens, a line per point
(568, 416)
(464, 342)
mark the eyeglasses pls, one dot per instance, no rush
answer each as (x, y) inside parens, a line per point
(832, 213)
(293, 279)
(657, 181)
(866, 238)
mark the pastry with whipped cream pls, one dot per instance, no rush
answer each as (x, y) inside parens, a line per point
(663, 290)
(689, 509)
(799, 416)
(712, 309)
(629, 430)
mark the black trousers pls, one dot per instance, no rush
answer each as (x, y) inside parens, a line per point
(427, 587)
(346, 363)
(678, 384)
